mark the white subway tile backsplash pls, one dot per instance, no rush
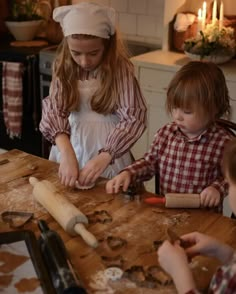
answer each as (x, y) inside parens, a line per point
(155, 7)
(128, 23)
(137, 7)
(139, 20)
(159, 32)
(146, 25)
(120, 5)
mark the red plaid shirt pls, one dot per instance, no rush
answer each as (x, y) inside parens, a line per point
(184, 165)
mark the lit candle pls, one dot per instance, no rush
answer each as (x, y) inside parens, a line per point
(214, 12)
(204, 15)
(221, 15)
(199, 20)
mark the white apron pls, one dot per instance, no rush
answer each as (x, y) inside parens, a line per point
(89, 132)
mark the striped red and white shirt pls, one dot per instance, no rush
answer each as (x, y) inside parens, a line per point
(130, 109)
(184, 165)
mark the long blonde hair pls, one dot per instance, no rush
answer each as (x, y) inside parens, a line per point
(115, 58)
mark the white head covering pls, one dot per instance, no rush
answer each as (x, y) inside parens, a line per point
(86, 18)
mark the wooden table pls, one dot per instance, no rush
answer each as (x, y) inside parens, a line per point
(141, 226)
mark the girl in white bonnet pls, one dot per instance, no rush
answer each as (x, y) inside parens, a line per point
(95, 111)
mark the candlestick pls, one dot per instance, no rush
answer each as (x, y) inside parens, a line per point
(204, 15)
(221, 16)
(214, 12)
(199, 20)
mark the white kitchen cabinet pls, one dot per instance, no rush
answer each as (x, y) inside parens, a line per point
(154, 70)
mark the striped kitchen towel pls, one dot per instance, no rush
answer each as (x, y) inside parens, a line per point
(12, 96)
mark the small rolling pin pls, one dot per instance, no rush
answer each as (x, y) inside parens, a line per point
(176, 200)
(64, 212)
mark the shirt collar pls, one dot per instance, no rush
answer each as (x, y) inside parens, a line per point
(205, 135)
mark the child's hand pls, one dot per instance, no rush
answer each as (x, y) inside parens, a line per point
(210, 197)
(206, 245)
(94, 168)
(68, 169)
(123, 179)
(174, 261)
(172, 257)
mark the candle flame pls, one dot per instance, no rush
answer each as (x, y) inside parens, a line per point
(199, 13)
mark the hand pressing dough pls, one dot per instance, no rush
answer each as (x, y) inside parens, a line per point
(80, 187)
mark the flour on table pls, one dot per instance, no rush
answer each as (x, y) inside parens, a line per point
(99, 282)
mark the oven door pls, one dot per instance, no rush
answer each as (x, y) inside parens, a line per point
(45, 81)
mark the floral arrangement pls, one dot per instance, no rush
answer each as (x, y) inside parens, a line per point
(25, 10)
(212, 41)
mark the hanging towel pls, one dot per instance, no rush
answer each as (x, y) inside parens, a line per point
(12, 94)
(183, 20)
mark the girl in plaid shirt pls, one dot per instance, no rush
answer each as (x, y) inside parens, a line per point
(186, 154)
(174, 259)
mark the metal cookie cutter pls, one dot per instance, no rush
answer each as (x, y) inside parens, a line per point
(16, 219)
(130, 192)
(134, 192)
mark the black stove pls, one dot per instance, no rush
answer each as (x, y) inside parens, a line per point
(46, 57)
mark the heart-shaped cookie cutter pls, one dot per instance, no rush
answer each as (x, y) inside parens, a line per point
(16, 219)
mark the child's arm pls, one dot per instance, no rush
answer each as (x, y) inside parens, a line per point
(131, 110)
(55, 128)
(69, 168)
(174, 261)
(94, 168)
(208, 246)
(54, 120)
(119, 182)
(145, 168)
(141, 170)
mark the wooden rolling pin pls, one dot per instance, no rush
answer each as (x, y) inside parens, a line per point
(64, 212)
(176, 200)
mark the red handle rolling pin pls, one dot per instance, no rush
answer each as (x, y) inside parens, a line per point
(176, 200)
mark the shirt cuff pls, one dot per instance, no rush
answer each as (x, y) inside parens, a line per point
(221, 187)
(53, 136)
(110, 152)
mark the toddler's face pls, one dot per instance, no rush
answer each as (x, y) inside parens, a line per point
(191, 122)
(87, 53)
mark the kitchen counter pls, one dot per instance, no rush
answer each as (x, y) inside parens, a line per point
(13, 53)
(129, 231)
(173, 61)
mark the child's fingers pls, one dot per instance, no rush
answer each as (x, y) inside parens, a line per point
(109, 186)
(113, 186)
